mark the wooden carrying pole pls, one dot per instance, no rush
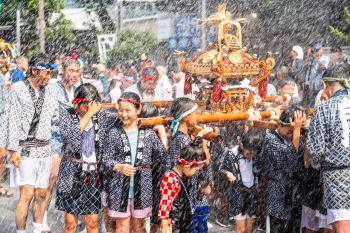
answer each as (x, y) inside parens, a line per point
(202, 119)
(205, 118)
(167, 103)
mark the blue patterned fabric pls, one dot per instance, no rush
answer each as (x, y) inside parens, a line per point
(199, 221)
(88, 201)
(237, 203)
(327, 145)
(20, 115)
(113, 153)
(282, 162)
(72, 144)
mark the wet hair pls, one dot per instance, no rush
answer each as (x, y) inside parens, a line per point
(39, 60)
(337, 71)
(288, 114)
(112, 85)
(131, 72)
(69, 62)
(152, 71)
(88, 92)
(253, 140)
(149, 110)
(132, 96)
(316, 47)
(181, 105)
(193, 151)
(336, 48)
(233, 134)
(285, 81)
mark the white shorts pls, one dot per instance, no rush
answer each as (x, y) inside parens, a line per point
(34, 171)
(309, 219)
(337, 215)
(322, 221)
(243, 217)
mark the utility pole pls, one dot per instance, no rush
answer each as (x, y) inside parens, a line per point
(204, 15)
(18, 31)
(41, 26)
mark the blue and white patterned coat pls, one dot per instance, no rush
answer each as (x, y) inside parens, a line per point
(328, 143)
(62, 98)
(113, 153)
(282, 162)
(3, 111)
(72, 143)
(20, 115)
(232, 192)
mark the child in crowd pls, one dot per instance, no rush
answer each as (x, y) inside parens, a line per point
(183, 111)
(239, 169)
(79, 177)
(130, 156)
(282, 158)
(148, 109)
(176, 205)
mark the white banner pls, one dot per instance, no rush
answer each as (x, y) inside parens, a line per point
(105, 43)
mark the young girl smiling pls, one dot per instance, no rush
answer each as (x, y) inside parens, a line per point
(130, 155)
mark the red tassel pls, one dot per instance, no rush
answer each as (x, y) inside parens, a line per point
(97, 182)
(217, 90)
(87, 179)
(188, 85)
(263, 88)
(74, 55)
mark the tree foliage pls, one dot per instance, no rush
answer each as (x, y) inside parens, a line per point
(130, 45)
(59, 33)
(338, 32)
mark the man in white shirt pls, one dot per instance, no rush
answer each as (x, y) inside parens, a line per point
(147, 88)
(164, 82)
(179, 86)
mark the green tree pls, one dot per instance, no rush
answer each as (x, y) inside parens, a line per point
(339, 33)
(59, 33)
(130, 45)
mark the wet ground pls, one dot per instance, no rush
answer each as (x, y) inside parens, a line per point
(55, 217)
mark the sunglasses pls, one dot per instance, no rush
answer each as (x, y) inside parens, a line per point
(42, 72)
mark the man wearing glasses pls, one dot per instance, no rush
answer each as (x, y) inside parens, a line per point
(31, 107)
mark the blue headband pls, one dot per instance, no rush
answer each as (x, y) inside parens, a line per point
(45, 67)
(176, 122)
(129, 78)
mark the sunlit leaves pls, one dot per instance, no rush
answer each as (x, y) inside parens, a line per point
(130, 45)
(340, 34)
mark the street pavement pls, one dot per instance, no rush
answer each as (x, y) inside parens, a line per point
(55, 217)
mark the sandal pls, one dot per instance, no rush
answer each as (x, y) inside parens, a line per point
(5, 193)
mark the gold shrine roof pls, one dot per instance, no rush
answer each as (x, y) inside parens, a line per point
(227, 57)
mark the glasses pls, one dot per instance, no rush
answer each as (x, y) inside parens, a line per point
(41, 72)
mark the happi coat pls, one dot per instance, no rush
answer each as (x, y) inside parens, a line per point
(150, 156)
(328, 143)
(20, 116)
(282, 163)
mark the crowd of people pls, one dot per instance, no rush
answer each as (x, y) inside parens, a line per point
(71, 130)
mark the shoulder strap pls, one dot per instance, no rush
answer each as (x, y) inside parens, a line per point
(38, 104)
(60, 84)
(184, 188)
(235, 164)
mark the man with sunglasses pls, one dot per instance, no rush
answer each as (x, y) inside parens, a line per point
(32, 106)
